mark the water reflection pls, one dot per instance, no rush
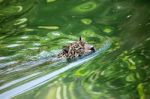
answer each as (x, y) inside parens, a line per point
(44, 79)
(31, 30)
(17, 81)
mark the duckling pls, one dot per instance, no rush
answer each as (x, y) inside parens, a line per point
(76, 49)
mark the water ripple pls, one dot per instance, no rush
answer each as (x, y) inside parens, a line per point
(42, 80)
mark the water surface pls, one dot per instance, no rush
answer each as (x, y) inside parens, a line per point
(33, 32)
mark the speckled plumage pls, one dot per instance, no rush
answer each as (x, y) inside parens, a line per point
(76, 49)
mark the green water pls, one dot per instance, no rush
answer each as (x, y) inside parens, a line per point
(33, 31)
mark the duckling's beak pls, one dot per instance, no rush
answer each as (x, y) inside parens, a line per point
(92, 49)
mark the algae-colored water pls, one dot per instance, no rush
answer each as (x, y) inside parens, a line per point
(33, 32)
